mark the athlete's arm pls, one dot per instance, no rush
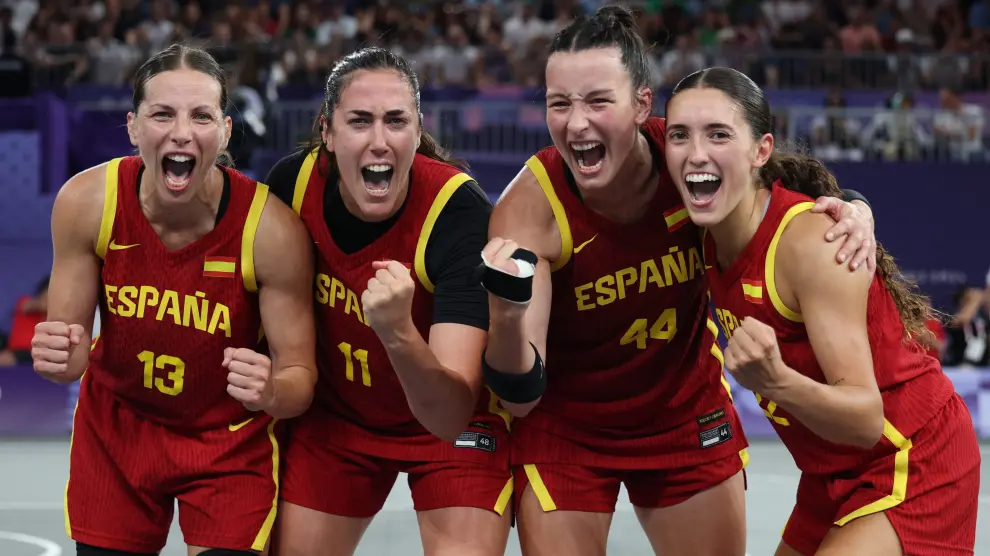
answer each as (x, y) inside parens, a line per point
(833, 302)
(523, 215)
(442, 379)
(284, 268)
(75, 278)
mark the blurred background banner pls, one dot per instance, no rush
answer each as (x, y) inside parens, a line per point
(891, 94)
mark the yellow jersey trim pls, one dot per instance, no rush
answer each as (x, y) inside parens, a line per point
(302, 179)
(419, 262)
(771, 281)
(504, 497)
(559, 215)
(539, 488)
(109, 207)
(261, 540)
(247, 238)
(899, 492)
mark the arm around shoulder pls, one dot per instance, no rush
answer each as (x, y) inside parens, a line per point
(283, 254)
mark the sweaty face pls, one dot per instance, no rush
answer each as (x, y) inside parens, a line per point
(591, 113)
(374, 135)
(711, 153)
(179, 129)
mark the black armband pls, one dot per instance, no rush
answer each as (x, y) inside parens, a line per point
(849, 195)
(516, 388)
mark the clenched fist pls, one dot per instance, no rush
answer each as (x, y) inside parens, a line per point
(753, 357)
(249, 378)
(388, 300)
(52, 347)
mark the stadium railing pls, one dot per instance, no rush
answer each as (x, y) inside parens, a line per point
(514, 128)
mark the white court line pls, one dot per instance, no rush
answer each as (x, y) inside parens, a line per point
(49, 547)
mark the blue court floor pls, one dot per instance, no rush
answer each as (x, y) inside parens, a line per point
(33, 473)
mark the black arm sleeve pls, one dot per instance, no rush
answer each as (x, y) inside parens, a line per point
(281, 179)
(452, 254)
(850, 196)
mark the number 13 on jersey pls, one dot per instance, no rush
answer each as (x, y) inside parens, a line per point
(663, 328)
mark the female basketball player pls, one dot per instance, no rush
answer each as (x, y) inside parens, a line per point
(188, 260)
(402, 323)
(889, 458)
(634, 392)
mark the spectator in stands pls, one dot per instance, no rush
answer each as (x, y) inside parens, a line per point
(113, 60)
(523, 27)
(860, 31)
(456, 60)
(895, 133)
(967, 333)
(833, 135)
(29, 311)
(958, 127)
(8, 37)
(683, 60)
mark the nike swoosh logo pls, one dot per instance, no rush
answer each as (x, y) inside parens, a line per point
(114, 247)
(580, 247)
(239, 426)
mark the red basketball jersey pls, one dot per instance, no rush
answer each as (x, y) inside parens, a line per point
(631, 351)
(911, 382)
(358, 390)
(167, 316)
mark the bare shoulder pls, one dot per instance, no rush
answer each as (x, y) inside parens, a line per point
(805, 258)
(282, 240)
(78, 207)
(523, 214)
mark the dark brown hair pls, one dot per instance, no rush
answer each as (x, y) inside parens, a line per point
(611, 26)
(176, 57)
(372, 58)
(804, 174)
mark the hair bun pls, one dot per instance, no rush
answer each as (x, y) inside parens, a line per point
(617, 16)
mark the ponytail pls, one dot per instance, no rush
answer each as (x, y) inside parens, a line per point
(225, 159)
(807, 175)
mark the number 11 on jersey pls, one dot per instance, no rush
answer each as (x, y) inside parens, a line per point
(349, 356)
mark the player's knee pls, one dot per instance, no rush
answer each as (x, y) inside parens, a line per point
(227, 552)
(88, 550)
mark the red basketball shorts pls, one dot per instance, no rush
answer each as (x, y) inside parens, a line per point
(338, 480)
(126, 471)
(928, 487)
(590, 489)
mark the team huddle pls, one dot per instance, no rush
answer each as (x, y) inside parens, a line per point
(273, 354)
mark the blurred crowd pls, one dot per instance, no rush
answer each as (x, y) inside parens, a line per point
(907, 44)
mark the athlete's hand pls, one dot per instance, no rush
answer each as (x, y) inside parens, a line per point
(499, 253)
(388, 300)
(51, 348)
(249, 378)
(854, 221)
(752, 357)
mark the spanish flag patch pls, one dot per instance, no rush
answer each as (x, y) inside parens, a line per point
(219, 267)
(675, 217)
(753, 291)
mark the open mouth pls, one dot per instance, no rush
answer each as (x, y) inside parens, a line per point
(377, 178)
(590, 156)
(702, 187)
(178, 170)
